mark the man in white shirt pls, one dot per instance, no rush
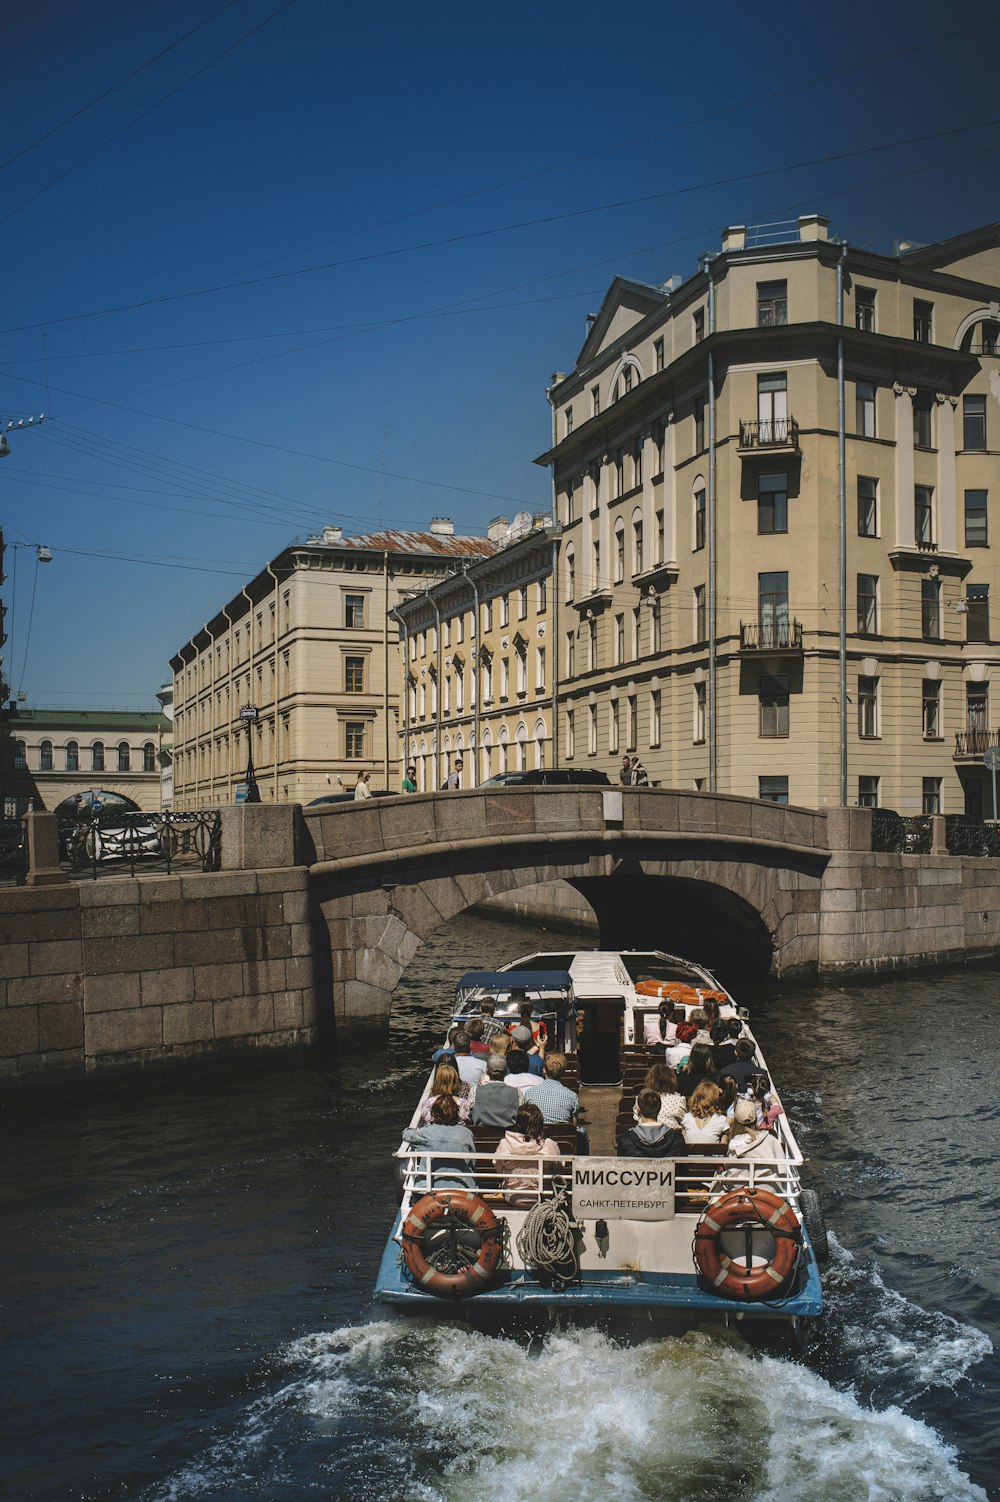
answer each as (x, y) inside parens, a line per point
(518, 1073)
(470, 1066)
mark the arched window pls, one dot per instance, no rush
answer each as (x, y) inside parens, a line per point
(20, 756)
(149, 757)
(619, 551)
(124, 757)
(97, 757)
(45, 756)
(72, 756)
(637, 551)
(570, 574)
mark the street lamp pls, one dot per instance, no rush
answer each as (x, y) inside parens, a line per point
(249, 716)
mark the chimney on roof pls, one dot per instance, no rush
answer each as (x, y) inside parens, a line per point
(734, 237)
(442, 526)
(333, 535)
(497, 530)
(814, 227)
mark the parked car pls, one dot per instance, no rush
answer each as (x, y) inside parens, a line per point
(129, 840)
(551, 777)
(349, 797)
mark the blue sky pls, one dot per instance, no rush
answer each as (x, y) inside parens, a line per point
(393, 147)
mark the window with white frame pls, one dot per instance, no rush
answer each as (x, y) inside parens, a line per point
(930, 711)
(613, 728)
(868, 792)
(570, 736)
(637, 541)
(636, 631)
(592, 729)
(867, 708)
(540, 670)
(619, 639)
(655, 711)
(619, 551)
(867, 604)
(632, 721)
(700, 710)
(864, 409)
(931, 798)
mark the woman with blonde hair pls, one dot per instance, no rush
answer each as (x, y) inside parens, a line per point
(446, 1081)
(500, 1043)
(704, 1121)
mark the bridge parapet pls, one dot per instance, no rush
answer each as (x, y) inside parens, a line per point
(357, 832)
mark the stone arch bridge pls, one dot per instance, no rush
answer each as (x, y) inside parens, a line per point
(731, 881)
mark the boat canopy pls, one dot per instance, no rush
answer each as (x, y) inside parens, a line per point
(548, 990)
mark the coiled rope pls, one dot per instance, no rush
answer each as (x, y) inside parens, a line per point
(547, 1242)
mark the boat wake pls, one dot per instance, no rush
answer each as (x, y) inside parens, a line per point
(429, 1411)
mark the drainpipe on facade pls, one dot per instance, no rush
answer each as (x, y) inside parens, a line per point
(385, 661)
(842, 525)
(712, 631)
(438, 779)
(274, 733)
(554, 643)
(404, 648)
(230, 731)
(474, 685)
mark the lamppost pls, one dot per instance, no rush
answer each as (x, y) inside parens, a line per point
(248, 714)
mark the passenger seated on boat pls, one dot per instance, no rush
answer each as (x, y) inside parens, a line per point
(491, 1029)
(539, 1032)
(447, 1082)
(703, 1121)
(744, 1067)
(749, 1143)
(496, 1103)
(522, 1038)
(447, 1050)
(724, 1043)
(477, 1043)
(470, 1068)
(767, 1104)
(650, 1138)
(445, 1135)
(700, 1066)
(550, 1095)
(677, 1053)
(711, 1009)
(699, 1017)
(662, 1081)
(660, 1028)
(519, 1153)
(518, 1073)
(500, 1043)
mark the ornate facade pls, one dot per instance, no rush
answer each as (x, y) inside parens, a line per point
(776, 483)
(477, 661)
(310, 645)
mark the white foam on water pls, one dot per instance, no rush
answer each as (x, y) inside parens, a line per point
(890, 1342)
(581, 1418)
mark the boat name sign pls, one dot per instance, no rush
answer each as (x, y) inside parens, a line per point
(621, 1189)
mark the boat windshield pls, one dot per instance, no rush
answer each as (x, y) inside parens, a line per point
(549, 991)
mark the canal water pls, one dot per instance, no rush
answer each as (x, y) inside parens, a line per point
(186, 1269)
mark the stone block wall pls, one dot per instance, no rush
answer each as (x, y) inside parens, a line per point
(127, 971)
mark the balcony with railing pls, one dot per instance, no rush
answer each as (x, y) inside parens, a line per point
(769, 435)
(972, 745)
(770, 636)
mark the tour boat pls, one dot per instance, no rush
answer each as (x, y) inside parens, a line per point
(698, 1237)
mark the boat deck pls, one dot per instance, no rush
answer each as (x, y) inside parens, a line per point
(599, 1111)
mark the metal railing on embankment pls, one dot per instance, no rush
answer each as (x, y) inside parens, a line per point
(143, 844)
(896, 834)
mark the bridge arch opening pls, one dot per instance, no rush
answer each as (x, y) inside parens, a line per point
(695, 919)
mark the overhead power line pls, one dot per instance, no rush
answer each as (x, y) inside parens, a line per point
(503, 229)
(147, 111)
(99, 98)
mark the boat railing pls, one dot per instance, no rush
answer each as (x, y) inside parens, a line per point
(697, 1177)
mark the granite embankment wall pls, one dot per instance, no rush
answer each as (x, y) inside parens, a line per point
(123, 971)
(314, 920)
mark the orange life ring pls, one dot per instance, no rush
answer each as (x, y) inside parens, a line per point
(747, 1209)
(461, 1273)
(669, 990)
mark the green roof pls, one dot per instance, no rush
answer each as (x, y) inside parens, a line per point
(149, 720)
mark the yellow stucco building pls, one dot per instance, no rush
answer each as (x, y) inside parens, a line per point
(309, 643)
(775, 484)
